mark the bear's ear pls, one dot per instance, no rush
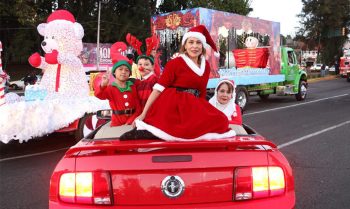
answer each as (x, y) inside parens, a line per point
(78, 30)
(41, 28)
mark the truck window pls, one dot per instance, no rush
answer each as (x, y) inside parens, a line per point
(290, 58)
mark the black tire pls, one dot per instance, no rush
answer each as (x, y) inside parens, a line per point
(242, 97)
(264, 97)
(14, 86)
(348, 77)
(302, 92)
(79, 133)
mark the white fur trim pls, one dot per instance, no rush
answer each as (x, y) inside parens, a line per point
(167, 137)
(147, 76)
(198, 35)
(30, 120)
(193, 66)
(158, 87)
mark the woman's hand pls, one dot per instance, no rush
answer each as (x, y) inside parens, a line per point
(140, 117)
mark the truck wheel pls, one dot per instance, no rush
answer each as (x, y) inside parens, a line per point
(14, 86)
(348, 77)
(301, 95)
(264, 97)
(242, 97)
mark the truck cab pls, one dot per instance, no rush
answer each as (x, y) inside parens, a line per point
(294, 76)
(345, 68)
(291, 81)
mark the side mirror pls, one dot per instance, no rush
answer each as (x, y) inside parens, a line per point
(104, 114)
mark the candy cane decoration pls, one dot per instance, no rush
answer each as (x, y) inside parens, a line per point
(3, 78)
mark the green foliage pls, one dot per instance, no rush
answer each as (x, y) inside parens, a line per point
(322, 21)
(19, 19)
(234, 6)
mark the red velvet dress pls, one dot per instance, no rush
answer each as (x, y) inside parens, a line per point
(180, 114)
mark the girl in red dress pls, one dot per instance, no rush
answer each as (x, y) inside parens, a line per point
(224, 100)
(177, 109)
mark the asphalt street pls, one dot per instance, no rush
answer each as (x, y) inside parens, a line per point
(312, 134)
(320, 160)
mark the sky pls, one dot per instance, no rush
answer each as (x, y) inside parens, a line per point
(282, 11)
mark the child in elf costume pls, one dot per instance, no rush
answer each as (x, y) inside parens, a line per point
(145, 85)
(122, 93)
(146, 66)
(152, 44)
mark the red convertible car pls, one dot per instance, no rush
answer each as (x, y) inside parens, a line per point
(102, 172)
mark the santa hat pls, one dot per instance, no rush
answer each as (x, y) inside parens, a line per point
(62, 16)
(203, 35)
(230, 82)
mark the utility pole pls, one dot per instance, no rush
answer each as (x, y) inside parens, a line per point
(98, 37)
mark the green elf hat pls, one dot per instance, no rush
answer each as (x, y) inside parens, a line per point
(120, 63)
(150, 58)
(117, 58)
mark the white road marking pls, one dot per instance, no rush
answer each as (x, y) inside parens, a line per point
(31, 155)
(312, 135)
(294, 105)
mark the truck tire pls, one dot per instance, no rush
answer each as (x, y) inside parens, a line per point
(14, 86)
(302, 92)
(242, 97)
(348, 77)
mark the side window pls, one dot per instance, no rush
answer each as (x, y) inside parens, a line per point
(290, 58)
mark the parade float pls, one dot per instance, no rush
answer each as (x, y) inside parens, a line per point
(250, 52)
(61, 101)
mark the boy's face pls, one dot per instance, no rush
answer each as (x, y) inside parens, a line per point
(122, 73)
(145, 67)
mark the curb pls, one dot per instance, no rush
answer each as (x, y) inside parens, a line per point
(326, 78)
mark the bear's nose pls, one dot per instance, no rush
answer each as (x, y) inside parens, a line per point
(43, 43)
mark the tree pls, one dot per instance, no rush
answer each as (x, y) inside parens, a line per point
(19, 20)
(234, 6)
(322, 21)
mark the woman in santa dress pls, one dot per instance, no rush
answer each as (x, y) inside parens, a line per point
(177, 109)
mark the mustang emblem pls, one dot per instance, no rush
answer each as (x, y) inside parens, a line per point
(173, 186)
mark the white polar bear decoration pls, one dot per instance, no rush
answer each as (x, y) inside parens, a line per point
(63, 71)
